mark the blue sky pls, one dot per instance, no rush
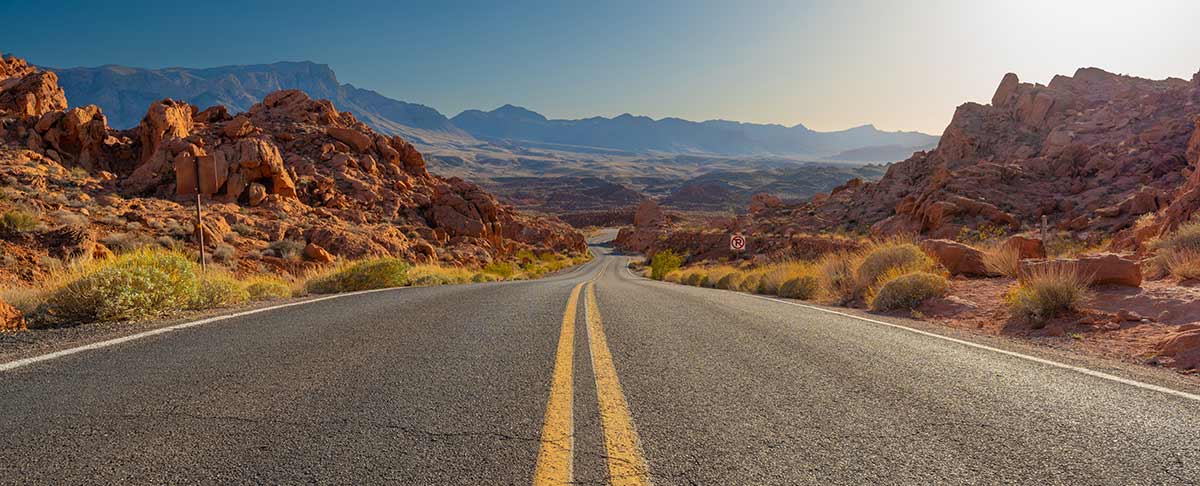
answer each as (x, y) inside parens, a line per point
(828, 65)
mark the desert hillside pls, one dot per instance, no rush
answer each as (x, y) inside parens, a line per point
(290, 183)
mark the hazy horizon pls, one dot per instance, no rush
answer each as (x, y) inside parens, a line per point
(827, 66)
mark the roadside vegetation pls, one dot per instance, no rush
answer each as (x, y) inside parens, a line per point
(153, 282)
(888, 275)
(1178, 254)
(1046, 292)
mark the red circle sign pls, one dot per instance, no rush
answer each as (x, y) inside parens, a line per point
(737, 242)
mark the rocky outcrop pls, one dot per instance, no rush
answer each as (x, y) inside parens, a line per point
(26, 91)
(957, 258)
(1102, 269)
(290, 177)
(10, 318)
(1183, 346)
(649, 214)
(1092, 153)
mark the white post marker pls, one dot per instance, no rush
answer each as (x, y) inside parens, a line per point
(737, 242)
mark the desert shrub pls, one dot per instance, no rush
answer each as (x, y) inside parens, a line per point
(907, 290)
(224, 253)
(218, 289)
(775, 275)
(1186, 238)
(128, 242)
(715, 274)
(426, 275)
(19, 221)
(694, 277)
(1003, 260)
(836, 274)
(1047, 291)
(887, 257)
(25, 299)
(673, 276)
(374, 273)
(803, 287)
(67, 218)
(142, 283)
(1184, 264)
(664, 262)
(267, 287)
(504, 270)
(287, 249)
(985, 233)
(483, 277)
(242, 229)
(731, 280)
(750, 282)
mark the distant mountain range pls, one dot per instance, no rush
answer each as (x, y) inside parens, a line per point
(124, 92)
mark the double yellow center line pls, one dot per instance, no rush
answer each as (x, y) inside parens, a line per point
(626, 462)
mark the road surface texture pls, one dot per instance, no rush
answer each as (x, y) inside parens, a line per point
(591, 376)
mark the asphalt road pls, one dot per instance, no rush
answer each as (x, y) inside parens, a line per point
(643, 382)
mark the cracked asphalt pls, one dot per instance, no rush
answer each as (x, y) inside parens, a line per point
(449, 385)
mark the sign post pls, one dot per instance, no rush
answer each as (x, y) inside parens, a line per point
(737, 242)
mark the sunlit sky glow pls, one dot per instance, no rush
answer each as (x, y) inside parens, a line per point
(828, 65)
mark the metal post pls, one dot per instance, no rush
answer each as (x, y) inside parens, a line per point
(199, 219)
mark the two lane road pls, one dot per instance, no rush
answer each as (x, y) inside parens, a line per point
(593, 375)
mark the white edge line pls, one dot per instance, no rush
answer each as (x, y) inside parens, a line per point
(1078, 369)
(104, 344)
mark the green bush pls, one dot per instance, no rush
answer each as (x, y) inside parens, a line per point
(218, 289)
(375, 273)
(908, 290)
(803, 287)
(265, 287)
(139, 284)
(664, 262)
(18, 221)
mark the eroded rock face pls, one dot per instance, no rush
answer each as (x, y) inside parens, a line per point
(10, 318)
(649, 214)
(959, 259)
(291, 170)
(1183, 346)
(1102, 269)
(26, 91)
(1093, 153)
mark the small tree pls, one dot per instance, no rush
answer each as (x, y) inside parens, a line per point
(664, 262)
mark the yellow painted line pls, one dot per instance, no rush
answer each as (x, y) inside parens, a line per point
(626, 461)
(556, 459)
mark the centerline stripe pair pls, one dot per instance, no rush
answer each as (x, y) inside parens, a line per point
(626, 461)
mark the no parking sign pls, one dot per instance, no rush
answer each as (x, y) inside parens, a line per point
(737, 242)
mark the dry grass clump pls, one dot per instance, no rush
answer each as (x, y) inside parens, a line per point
(836, 274)
(907, 290)
(18, 221)
(803, 287)
(750, 281)
(24, 299)
(715, 274)
(776, 274)
(731, 280)
(674, 276)
(1002, 260)
(693, 276)
(887, 257)
(428, 275)
(218, 289)
(139, 284)
(1047, 291)
(1179, 253)
(267, 287)
(1184, 264)
(373, 273)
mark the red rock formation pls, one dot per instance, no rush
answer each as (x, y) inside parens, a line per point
(10, 318)
(291, 168)
(26, 91)
(1091, 152)
(959, 259)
